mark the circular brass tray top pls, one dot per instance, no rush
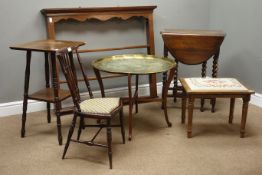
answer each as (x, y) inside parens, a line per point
(134, 64)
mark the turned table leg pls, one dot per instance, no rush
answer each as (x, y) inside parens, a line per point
(190, 116)
(47, 85)
(231, 112)
(26, 87)
(246, 100)
(183, 115)
(56, 98)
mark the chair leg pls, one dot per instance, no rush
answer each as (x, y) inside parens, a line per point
(80, 127)
(70, 133)
(122, 125)
(59, 132)
(109, 142)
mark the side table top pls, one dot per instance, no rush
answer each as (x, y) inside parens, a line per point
(134, 64)
(193, 46)
(47, 45)
(183, 32)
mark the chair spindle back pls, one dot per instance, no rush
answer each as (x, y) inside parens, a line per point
(65, 58)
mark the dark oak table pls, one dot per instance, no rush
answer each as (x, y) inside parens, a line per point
(193, 47)
(137, 64)
(214, 88)
(50, 95)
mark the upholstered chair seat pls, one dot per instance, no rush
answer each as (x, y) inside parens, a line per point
(99, 106)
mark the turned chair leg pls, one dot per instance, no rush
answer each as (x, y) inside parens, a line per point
(80, 127)
(70, 133)
(59, 132)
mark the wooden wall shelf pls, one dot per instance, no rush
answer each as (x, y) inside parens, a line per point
(56, 15)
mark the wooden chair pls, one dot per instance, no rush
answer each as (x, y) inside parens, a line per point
(193, 47)
(102, 109)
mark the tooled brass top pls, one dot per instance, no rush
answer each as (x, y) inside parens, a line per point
(134, 64)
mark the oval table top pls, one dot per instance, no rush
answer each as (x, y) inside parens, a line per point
(134, 64)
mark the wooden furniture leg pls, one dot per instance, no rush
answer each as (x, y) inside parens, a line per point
(121, 118)
(175, 85)
(231, 112)
(183, 116)
(165, 92)
(175, 88)
(151, 51)
(57, 102)
(214, 75)
(47, 85)
(80, 128)
(213, 104)
(203, 74)
(100, 81)
(190, 116)
(246, 100)
(26, 87)
(70, 133)
(109, 142)
(163, 89)
(136, 97)
(101, 85)
(202, 103)
(130, 117)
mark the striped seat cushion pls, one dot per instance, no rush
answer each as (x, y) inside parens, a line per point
(101, 106)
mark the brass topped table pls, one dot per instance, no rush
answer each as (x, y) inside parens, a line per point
(50, 95)
(137, 64)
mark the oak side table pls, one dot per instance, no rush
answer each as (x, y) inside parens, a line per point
(193, 47)
(49, 94)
